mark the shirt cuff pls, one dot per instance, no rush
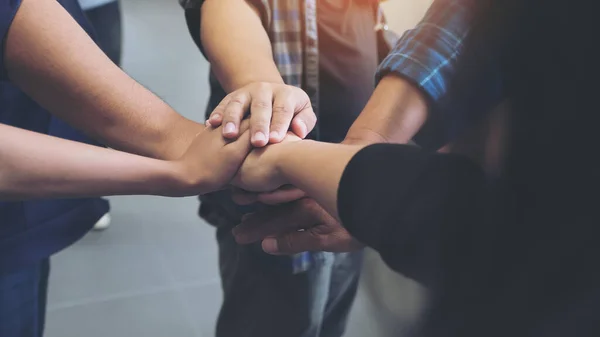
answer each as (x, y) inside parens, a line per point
(430, 82)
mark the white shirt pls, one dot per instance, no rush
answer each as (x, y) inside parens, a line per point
(90, 4)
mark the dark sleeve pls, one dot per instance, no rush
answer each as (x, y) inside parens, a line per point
(8, 10)
(193, 18)
(411, 206)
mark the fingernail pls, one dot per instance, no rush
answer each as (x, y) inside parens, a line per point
(229, 128)
(259, 137)
(270, 245)
(274, 135)
(207, 123)
(214, 117)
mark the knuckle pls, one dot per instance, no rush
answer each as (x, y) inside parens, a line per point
(306, 204)
(280, 109)
(259, 124)
(237, 99)
(262, 86)
(261, 104)
(287, 243)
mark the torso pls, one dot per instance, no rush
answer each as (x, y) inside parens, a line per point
(347, 63)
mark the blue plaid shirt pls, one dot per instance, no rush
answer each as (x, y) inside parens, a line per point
(426, 55)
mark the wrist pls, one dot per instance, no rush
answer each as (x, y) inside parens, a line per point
(176, 143)
(363, 136)
(165, 178)
(284, 157)
(252, 79)
(394, 114)
(175, 179)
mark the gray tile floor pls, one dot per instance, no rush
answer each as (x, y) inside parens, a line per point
(153, 272)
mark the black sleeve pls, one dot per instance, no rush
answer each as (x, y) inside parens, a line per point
(414, 207)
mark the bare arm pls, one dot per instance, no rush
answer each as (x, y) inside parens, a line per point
(394, 114)
(418, 71)
(313, 167)
(34, 165)
(237, 44)
(241, 57)
(52, 59)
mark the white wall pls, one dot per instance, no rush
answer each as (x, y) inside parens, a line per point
(404, 14)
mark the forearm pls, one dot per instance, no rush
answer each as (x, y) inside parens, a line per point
(51, 58)
(316, 168)
(416, 73)
(39, 166)
(394, 114)
(237, 44)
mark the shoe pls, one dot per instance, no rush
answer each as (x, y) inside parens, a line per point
(103, 223)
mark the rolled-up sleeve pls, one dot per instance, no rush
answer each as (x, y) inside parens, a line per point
(8, 10)
(427, 54)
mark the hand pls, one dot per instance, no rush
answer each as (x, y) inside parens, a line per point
(274, 109)
(295, 227)
(211, 161)
(259, 171)
(282, 195)
(288, 193)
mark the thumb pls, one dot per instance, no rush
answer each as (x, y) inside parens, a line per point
(240, 148)
(282, 195)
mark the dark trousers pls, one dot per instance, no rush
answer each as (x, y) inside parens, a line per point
(23, 296)
(106, 21)
(262, 297)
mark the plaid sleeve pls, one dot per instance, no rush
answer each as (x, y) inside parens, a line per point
(426, 55)
(193, 17)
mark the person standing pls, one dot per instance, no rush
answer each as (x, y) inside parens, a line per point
(24, 285)
(326, 64)
(273, 57)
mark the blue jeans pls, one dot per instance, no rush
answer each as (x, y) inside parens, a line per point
(262, 297)
(23, 296)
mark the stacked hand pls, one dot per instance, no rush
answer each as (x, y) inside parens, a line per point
(274, 108)
(293, 223)
(211, 161)
(219, 149)
(295, 227)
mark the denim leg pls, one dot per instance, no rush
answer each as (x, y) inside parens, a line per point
(334, 281)
(262, 297)
(23, 296)
(345, 275)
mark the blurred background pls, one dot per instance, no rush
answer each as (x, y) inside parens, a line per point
(154, 271)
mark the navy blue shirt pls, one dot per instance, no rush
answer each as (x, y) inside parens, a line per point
(34, 230)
